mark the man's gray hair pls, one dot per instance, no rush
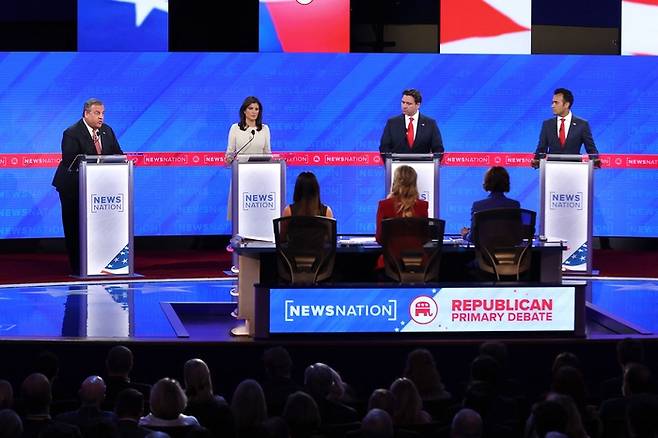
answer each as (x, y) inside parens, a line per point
(88, 104)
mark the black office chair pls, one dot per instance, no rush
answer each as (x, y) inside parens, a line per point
(503, 239)
(305, 247)
(412, 248)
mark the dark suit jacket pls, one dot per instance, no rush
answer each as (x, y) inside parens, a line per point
(76, 140)
(494, 200)
(394, 138)
(579, 134)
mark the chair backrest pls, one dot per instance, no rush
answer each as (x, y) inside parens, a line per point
(305, 247)
(502, 238)
(412, 248)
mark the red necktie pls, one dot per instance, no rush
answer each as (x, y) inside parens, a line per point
(410, 133)
(97, 143)
(563, 137)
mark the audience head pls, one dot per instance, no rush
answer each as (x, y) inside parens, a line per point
(404, 189)
(36, 395)
(497, 350)
(248, 405)
(637, 379)
(11, 425)
(630, 350)
(408, 403)
(496, 180)
(466, 424)
(129, 404)
(119, 361)
(198, 383)
(307, 194)
(167, 399)
(549, 416)
(421, 369)
(377, 424)
(47, 364)
(485, 369)
(575, 427)
(319, 380)
(92, 391)
(278, 362)
(249, 100)
(382, 399)
(157, 434)
(565, 358)
(6, 395)
(569, 381)
(302, 414)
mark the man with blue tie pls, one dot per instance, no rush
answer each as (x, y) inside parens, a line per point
(565, 133)
(411, 132)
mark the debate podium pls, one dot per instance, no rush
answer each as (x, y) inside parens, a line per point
(257, 198)
(427, 167)
(106, 215)
(566, 207)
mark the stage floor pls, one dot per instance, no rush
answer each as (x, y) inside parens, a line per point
(200, 310)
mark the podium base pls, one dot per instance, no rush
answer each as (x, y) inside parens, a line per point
(107, 276)
(241, 330)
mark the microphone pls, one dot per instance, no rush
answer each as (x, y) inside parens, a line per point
(253, 135)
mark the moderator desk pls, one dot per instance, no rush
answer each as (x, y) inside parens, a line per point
(355, 262)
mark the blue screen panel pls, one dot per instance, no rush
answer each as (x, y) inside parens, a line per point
(183, 102)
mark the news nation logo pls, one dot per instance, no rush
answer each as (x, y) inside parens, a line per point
(262, 201)
(112, 203)
(566, 200)
(423, 309)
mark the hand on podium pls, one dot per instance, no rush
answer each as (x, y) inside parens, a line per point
(534, 163)
(597, 163)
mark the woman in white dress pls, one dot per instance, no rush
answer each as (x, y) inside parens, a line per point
(250, 135)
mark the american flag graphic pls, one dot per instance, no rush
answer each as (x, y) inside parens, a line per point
(578, 258)
(486, 26)
(639, 27)
(119, 263)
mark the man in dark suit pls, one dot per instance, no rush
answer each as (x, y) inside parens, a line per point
(411, 132)
(88, 136)
(565, 133)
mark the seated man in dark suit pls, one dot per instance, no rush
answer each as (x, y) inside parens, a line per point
(411, 132)
(565, 133)
(496, 182)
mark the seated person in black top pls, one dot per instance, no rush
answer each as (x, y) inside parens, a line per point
(306, 198)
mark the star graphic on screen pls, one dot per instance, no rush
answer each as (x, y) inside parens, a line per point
(144, 7)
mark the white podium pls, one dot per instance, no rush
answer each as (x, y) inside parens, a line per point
(106, 215)
(427, 167)
(566, 208)
(257, 198)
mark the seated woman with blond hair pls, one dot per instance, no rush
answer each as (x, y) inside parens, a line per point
(403, 201)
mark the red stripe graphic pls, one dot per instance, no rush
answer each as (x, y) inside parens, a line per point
(320, 159)
(473, 18)
(644, 2)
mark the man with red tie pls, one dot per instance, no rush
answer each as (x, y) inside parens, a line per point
(88, 136)
(565, 133)
(411, 132)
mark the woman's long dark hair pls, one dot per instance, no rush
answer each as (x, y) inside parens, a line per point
(243, 119)
(307, 194)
